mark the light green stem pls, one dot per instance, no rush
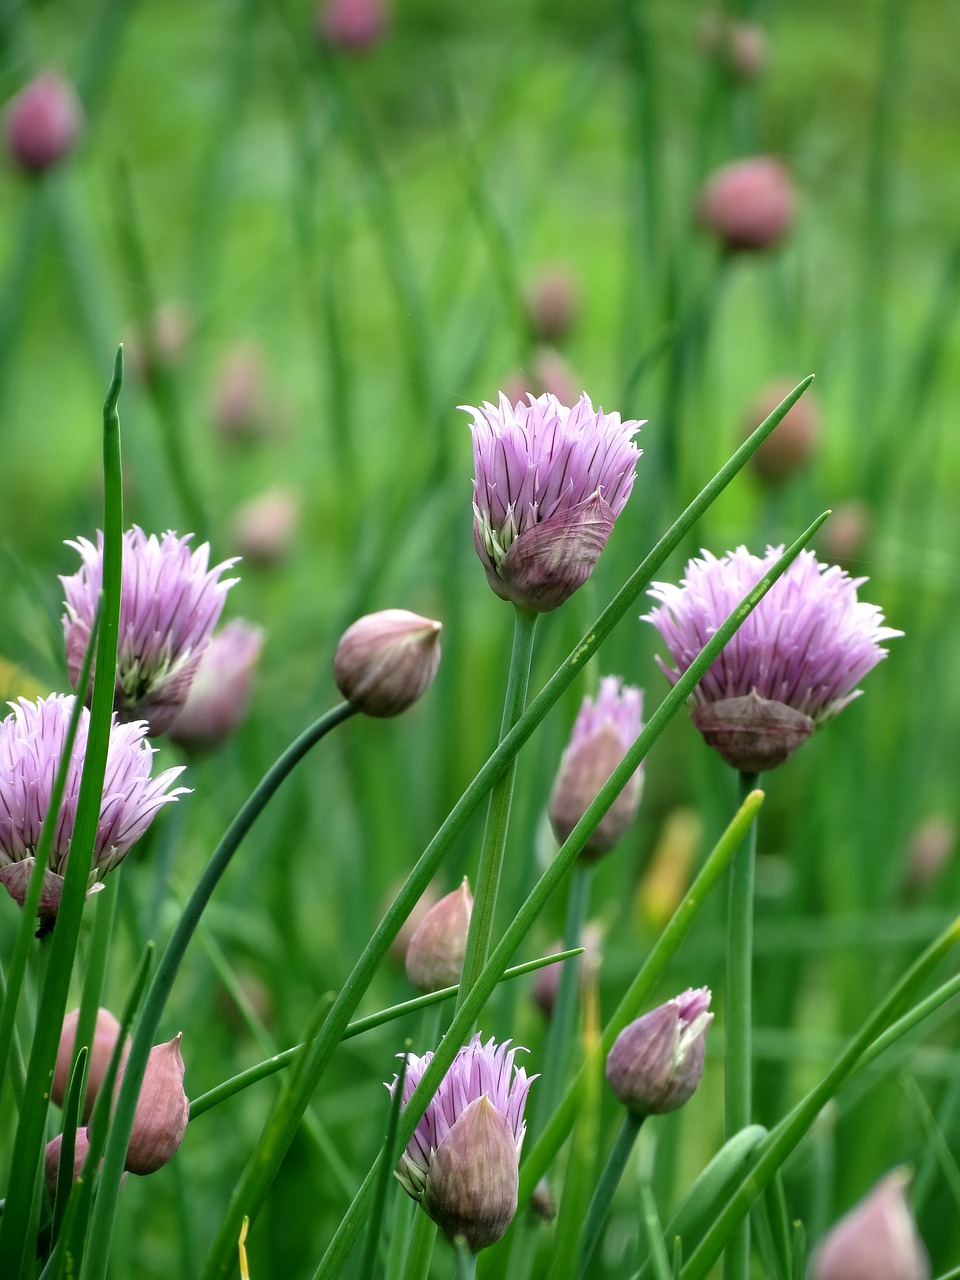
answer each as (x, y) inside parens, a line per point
(605, 1189)
(498, 810)
(739, 998)
(420, 1249)
(466, 1262)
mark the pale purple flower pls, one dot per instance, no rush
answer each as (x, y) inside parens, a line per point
(461, 1164)
(31, 744)
(656, 1062)
(550, 482)
(170, 602)
(218, 697)
(876, 1240)
(794, 663)
(602, 733)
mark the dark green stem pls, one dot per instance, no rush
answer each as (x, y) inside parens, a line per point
(604, 1191)
(739, 1001)
(498, 810)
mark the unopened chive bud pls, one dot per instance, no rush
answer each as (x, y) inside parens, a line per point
(51, 1159)
(439, 943)
(603, 732)
(877, 1240)
(163, 1109)
(656, 1063)
(752, 734)
(386, 660)
(220, 693)
(106, 1032)
(471, 1190)
(793, 442)
(748, 205)
(43, 122)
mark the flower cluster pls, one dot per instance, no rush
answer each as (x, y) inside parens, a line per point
(170, 602)
(461, 1163)
(794, 663)
(550, 482)
(31, 744)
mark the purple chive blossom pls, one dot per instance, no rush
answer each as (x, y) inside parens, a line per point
(602, 733)
(550, 482)
(169, 604)
(793, 664)
(31, 744)
(461, 1163)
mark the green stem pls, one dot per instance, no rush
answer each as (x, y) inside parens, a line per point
(101, 1228)
(498, 810)
(560, 1032)
(466, 1262)
(739, 996)
(606, 1186)
(420, 1249)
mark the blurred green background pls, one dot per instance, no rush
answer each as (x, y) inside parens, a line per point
(359, 233)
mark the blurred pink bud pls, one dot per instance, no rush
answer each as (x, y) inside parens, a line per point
(218, 698)
(386, 660)
(352, 25)
(240, 408)
(106, 1032)
(264, 528)
(931, 847)
(793, 442)
(51, 1159)
(548, 374)
(400, 944)
(749, 204)
(552, 306)
(846, 535)
(739, 47)
(43, 122)
(656, 1062)
(163, 1109)
(876, 1240)
(439, 943)
(165, 343)
(546, 984)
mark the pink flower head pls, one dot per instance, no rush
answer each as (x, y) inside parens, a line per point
(461, 1163)
(794, 663)
(31, 744)
(876, 1240)
(169, 604)
(550, 482)
(603, 731)
(749, 204)
(43, 122)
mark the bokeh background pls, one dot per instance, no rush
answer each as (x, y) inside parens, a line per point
(314, 253)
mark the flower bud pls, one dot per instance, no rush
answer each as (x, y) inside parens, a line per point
(264, 528)
(427, 899)
(163, 1109)
(877, 1240)
(106, 1032)
(793, 441)
(240, 404)
(546, 374)
(43, 122)
(386, 660)
(543, 1203)
(163, 345)
(930, 848)
(604, 730)
(546, 984)
(217, 702)
(552, 305)
(352, 25)
(752, 734)
(439, 943)
(471, 1189)
(748, 204)
(656, 1062)
(51, 1159)
(739, 47)
(846, 535)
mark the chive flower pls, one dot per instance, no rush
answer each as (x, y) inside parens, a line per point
(656, 1062)
(31, 745)
(170, 602)
(461, 1165)
(794, 663)
(876, 1240)
(602, 733)
(550, 482)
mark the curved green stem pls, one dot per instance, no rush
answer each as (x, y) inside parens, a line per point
(95, 1262)
(498, 810)
(606, 1186)
(738, 1090)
